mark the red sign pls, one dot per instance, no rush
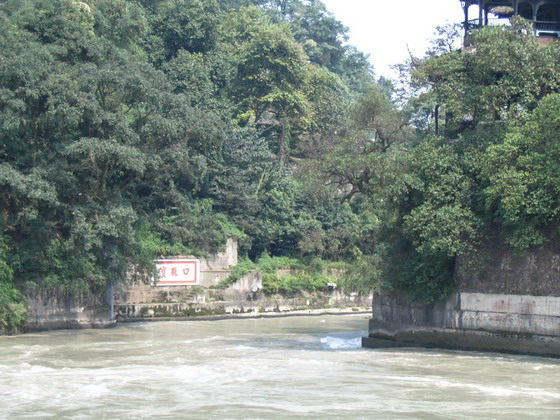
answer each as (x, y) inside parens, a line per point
(177, 272)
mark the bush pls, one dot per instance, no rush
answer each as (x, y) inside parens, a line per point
(239, 270)
(12, 305)
(424, 278)
(273, 284)
(271, 265)
(12, 309)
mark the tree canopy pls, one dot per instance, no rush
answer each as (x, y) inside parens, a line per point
(131, 129)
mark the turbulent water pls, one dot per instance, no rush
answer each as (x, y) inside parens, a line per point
(300, 367)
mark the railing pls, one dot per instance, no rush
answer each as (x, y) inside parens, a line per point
(547, 26)
(479, 23)
(541, 27)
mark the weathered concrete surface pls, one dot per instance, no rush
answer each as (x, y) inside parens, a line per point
(138, 300)
(457, 339)
(519, 314)
(497, 269)
(504, 301)
(243, 297)
(221, 260)
(52, 309)
(295, 313)
(471, 321)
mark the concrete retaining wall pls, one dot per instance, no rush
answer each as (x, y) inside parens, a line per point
(138, 300)
(52, 309)
(221, 260)
(479, 321)
(141, 301)
(512, 313)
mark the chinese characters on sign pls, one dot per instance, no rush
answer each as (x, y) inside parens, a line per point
(177, 272)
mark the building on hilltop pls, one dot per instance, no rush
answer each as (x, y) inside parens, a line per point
(544, 14)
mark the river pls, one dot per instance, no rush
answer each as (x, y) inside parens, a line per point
(274, 368)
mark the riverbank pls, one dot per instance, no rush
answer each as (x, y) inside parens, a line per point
(53, 310)
(253, 315)
(469, 321)
(144, 303)
(141, 299)
(504, 302)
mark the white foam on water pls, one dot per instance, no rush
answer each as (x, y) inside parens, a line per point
(95, 390)
(287, 368)
(493, 390)
(342, 342)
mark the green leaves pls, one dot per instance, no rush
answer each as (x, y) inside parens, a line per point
(443, 220)
(130, 129)
(271, 72)
(524, 175)
(501, 76)
(12, 309)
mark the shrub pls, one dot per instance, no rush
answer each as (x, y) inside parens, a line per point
(273, 284)
(12, 309)
(238, 271)
(269, 264)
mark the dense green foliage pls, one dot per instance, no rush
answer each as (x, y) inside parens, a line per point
(12, 308)
(136, 128)
(483, 161)
(299, 275)
(131, 129)
(287, 275)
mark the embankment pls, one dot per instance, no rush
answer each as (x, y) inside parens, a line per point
(53, 309)
(138, 299)
(469, 321)
(506, 303)
(245, 297)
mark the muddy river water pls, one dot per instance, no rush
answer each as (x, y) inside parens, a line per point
(274, 368)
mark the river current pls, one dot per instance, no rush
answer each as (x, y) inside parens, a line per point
(273, 368)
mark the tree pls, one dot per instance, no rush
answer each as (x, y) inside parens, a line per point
(488, 169)
(94, 146)
(189, 25)
(324, 40)
(132, 129)
(272, 72)
(524, 176)
(500, 77)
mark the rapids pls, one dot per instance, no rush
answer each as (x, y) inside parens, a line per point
(274, 368)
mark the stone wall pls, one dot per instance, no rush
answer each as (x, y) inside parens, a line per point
(497, 269)
(221, 260)
(471, 321)
(136, 299)
(141, 301)
(504, 301)
(53, 309)
(538, 315)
